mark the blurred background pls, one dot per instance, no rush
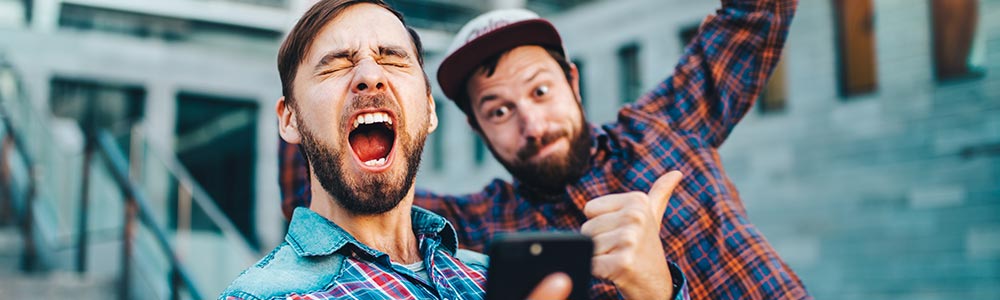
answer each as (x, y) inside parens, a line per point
(139, 145)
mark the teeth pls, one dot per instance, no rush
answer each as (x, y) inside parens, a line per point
(375, 162)
(372, 118)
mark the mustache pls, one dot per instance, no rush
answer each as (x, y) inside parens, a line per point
(378, 101)
(536, 145)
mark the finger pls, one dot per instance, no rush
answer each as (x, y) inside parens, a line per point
(607, 266)
(659, 194)
(609, 242)
(608, 203)
(601, 224)
(555, 286)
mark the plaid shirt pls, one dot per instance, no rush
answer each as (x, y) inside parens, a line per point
(677, 126)
(319, 260)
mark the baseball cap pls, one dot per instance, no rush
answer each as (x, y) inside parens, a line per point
(487, 35)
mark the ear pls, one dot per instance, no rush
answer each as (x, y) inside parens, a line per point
(288, 125)
(574, 81)
(432, 109)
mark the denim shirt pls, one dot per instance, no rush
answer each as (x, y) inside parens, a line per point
(320, 260)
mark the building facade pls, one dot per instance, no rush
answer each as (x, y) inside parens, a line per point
(869, 164)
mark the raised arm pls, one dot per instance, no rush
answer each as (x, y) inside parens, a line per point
(723, 69)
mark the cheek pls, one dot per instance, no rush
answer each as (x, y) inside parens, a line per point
(504, 139)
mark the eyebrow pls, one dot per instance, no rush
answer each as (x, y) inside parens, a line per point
(489, 97)
(327, 59)
(334, 55)
(539, 71)
(396, 51)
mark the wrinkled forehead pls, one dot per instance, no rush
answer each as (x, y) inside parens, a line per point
(361, 27)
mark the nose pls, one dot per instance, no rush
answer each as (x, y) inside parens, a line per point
(368, 78)
(533, 125)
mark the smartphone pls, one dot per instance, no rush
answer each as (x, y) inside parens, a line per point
(519, 261)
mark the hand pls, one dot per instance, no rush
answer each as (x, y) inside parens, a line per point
(626, 232)
(555, 286)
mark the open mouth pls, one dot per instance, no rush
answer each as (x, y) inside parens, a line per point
(372, 138)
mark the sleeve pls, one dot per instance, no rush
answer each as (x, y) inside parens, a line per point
(679, 282)
(722, 70)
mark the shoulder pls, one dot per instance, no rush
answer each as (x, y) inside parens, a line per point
(492, 190)
(472, 258)
(283, 272)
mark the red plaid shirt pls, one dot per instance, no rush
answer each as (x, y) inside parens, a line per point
(677, 126)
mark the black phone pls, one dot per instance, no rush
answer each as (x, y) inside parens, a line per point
(519, 261)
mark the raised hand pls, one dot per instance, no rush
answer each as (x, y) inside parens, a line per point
(626, 232)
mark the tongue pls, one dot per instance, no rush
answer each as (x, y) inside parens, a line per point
(371, 144)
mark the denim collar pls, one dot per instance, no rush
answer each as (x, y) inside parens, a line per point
(311, 234)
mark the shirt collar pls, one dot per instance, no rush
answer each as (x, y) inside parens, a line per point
(311, 234)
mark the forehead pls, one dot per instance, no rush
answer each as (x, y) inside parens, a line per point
(361, 26)
(529, 54)
(515, 67)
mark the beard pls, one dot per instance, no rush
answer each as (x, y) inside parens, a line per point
(369, 193)
(550, 175)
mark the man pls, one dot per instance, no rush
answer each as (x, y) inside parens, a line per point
(509, 73)
(357, 100)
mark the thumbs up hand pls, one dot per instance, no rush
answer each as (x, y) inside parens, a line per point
(626, 232)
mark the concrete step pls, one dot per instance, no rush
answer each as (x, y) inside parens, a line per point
(56, 285)
(10, 250)
(15, 284)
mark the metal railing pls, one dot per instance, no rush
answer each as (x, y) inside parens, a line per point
(137, 205)
(105, 169)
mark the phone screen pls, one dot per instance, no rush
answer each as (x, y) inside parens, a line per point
(519, 261)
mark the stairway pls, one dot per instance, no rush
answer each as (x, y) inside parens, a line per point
(15, 284)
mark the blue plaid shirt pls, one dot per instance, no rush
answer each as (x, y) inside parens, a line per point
(319, 260)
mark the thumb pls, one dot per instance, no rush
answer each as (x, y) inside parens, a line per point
(659, 194)
(556, 286)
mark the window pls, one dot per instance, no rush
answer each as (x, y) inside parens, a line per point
(631, 81)
(773, 97)
(687, 34)
(141, 25)
(97, 104)
(856, 71)
(216, 140)
(955, 42)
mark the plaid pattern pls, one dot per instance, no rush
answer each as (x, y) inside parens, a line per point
(365, 273)
(365, 280)
(677, 126)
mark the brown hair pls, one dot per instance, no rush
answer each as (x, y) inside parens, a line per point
(300, 38)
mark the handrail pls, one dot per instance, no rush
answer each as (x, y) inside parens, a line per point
(200, 196)
(116, 162)
(136, 202)
(28, 264)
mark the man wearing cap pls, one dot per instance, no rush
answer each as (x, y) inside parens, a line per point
(508, 72)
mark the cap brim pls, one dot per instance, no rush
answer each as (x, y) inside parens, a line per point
(457, 67)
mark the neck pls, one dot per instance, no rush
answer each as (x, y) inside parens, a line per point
(390, 232)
